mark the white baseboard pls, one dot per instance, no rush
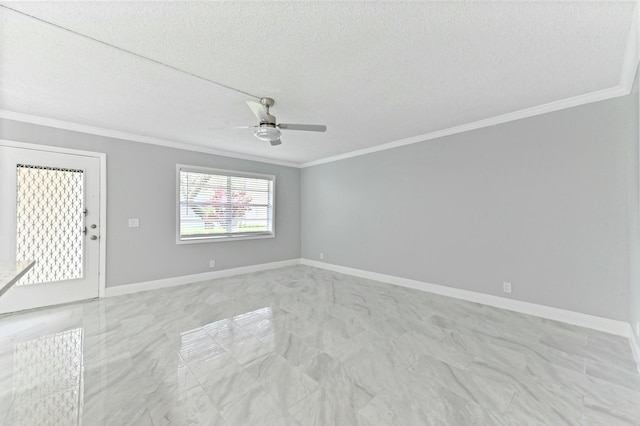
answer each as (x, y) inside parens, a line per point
(606, 325)
(188, 279)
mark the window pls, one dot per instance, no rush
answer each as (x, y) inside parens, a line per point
(222, 205)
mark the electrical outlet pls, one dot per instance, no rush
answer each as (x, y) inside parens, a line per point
(212, 264)
(321, 256)
(134, 223)
(506, 287)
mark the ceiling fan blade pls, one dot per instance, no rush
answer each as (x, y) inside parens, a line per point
(305, 127)
(276, 142)
(232, 128)
(258, 109)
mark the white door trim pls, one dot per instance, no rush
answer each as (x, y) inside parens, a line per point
(102, 265)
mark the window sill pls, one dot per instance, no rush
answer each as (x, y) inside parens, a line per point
(201, 240)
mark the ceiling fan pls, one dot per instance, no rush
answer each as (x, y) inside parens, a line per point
(268, 130)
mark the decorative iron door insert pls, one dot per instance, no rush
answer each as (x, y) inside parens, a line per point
(50, 213)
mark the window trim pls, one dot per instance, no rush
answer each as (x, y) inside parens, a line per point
(225, 172)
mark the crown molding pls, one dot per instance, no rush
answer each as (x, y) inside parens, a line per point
(599, 95)
(117, 134)
(630, 64)
(627, 75)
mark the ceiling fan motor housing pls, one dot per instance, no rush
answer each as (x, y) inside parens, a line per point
(267, 118)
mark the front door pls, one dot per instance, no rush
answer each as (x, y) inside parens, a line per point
(49, 212)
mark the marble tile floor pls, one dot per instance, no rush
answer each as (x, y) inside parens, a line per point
(304, 346)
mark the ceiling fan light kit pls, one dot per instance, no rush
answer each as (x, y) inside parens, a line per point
(268, 132)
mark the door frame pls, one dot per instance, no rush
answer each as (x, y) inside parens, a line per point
(102, 262)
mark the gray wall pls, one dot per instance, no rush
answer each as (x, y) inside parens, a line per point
(549, 203)
(541, 202)
(141, 184)
(634, 223)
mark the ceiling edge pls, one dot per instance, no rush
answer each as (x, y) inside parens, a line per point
(630, 64)
(599, 95)
(632, 51)
(100, 131)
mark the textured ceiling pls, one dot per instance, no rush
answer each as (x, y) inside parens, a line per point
(373, 72)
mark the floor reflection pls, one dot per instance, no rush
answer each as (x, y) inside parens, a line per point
(48, 379)
(300, 346)
(245, 336)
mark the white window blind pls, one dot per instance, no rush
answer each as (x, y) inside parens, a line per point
(220, 204)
